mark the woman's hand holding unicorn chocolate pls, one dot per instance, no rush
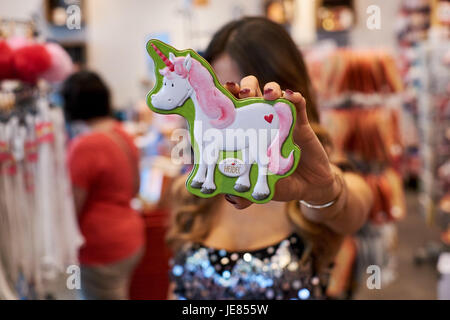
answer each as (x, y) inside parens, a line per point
(314, 180)
(242, 146)
(324, 190)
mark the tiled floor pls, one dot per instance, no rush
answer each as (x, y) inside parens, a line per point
(413, 281)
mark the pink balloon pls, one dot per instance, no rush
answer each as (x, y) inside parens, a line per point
(62, 65)
(16, 43)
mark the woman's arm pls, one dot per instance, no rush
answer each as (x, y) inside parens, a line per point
(349, 210)
(84, 162)
(316, 180)
(79, 197)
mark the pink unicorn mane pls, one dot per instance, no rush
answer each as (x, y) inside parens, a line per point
(216, 105)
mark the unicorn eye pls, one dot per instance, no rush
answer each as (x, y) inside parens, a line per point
(165, 83)
(173, 85)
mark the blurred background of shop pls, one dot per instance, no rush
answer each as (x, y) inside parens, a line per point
(403, 115)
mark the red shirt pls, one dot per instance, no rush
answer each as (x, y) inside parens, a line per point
(112, 230)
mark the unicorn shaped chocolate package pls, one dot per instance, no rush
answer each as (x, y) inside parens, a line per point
(241, 146)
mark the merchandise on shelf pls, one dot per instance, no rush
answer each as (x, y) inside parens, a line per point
(359, 95)
(38, 230)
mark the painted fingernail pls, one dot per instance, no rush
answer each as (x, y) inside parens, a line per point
(229, 199)
(231, 84)
(268, 91)
(245, 91)
(289, 91)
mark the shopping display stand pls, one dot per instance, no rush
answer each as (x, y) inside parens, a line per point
(39, 232)
(360, 98)
(433, 124)
(426, 60)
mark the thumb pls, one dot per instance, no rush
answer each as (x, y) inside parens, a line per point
(238, 202)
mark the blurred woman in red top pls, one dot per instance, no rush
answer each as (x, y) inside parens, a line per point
(103, 164)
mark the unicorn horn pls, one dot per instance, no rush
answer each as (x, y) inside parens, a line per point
(166, 61)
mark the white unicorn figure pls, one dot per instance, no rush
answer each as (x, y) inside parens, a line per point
(186, 78)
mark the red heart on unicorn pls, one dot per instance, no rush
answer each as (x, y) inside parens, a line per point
(269, 118)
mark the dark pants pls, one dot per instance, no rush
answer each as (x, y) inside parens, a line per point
(111, 281)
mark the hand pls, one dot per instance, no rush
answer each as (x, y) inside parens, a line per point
(314, 180)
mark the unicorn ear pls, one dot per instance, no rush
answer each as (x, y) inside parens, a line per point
(188, 62)
(171, 57)
(161, 72)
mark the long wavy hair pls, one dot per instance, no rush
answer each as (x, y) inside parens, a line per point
(264, 49)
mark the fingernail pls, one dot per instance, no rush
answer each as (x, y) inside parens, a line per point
(229, 199)
(245, 91)
(289, 91)
(268, 91)
(231, 84)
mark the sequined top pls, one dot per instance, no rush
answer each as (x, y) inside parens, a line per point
(282, 271)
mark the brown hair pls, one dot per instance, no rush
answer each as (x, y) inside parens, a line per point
(264, 49)
(191, 217)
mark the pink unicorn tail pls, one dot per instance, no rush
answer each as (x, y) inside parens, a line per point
(277, 163)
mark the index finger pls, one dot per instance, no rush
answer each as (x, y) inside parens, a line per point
(233, 88)
(272, 91)
(250, 87)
